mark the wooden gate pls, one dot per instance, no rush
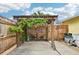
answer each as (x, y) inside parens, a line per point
(38, 33)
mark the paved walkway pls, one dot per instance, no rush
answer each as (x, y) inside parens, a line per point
(44, 48)
(64, 49)
(34, 48)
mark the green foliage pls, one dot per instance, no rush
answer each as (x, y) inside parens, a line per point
(15, 29)
(36, 22)
(26, 23)
(31, 22)
(23, 37)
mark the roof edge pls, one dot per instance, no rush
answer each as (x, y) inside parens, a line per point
(69, 18)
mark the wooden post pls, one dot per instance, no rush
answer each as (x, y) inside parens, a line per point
(49, 32)
(52, 34)
(17, 40)
(52, 39)
(46, 32)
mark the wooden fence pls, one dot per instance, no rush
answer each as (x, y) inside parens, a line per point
(58, 32)
(7, 42)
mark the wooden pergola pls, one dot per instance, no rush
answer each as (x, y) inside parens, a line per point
(50, 18)
(47, 16)
(50, 22)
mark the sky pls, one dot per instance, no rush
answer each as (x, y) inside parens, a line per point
(63, 10)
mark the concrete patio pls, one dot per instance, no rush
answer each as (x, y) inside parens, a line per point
(34, 48)
(44, 48)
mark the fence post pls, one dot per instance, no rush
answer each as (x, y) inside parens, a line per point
(17, 39)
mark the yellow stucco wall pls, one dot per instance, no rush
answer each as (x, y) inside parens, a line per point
(73, 25)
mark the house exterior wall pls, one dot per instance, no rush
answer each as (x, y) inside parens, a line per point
(4, 29)
(73, 25)
(4, 26)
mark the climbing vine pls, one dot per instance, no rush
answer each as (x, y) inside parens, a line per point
(27, 23)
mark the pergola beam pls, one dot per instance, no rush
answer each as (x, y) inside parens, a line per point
(30, 16)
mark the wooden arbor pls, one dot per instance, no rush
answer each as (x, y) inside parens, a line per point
(50, 24)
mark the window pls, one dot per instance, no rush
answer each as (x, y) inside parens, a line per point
(3, 31)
